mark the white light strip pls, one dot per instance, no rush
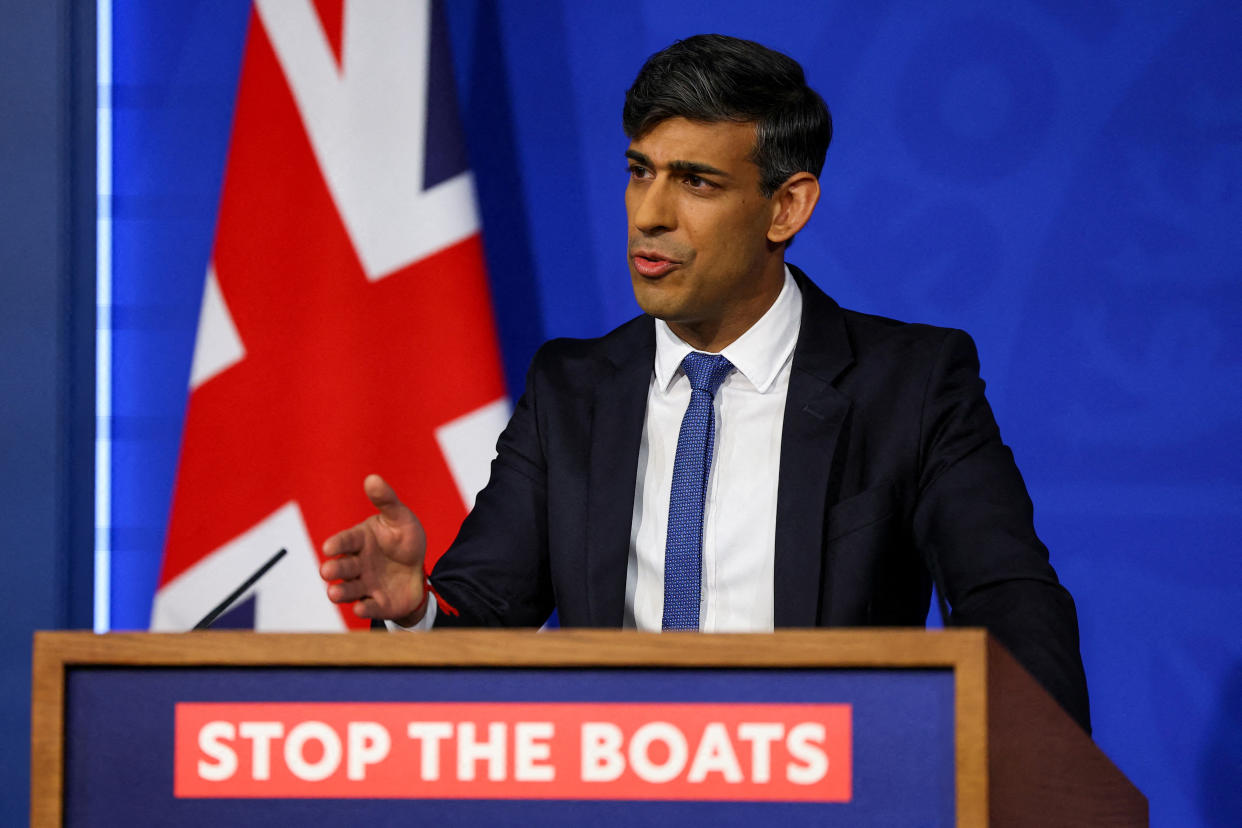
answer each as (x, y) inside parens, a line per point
(103, 316)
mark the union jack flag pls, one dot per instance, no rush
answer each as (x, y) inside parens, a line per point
(346, 325)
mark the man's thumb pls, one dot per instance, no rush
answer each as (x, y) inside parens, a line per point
(385, 500)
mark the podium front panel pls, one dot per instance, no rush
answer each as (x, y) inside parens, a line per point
(214, 745)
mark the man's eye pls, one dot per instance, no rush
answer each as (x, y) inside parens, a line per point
(698, 182)
(636, 171)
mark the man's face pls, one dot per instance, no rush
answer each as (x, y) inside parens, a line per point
(698, 249)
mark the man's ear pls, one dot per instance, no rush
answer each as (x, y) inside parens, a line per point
(794, 201)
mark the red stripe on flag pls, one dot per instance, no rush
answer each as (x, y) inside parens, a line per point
(332, 18)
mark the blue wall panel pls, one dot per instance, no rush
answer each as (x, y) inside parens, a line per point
(47, 320)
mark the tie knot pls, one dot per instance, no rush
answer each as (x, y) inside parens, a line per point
(706, 371)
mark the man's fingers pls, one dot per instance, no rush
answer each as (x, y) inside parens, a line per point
(366, 608)
(385, 500)
(340, 569)
(346, 591)
(349, 542)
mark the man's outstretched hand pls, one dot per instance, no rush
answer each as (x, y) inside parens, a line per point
(378, 564)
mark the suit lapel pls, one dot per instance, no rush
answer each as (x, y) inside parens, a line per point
(815, 413)
(619, 408)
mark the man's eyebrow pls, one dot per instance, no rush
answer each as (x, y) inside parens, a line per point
(635, 155)
(679, 166)
(697, 168)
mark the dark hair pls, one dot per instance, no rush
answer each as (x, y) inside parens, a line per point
(718, 78)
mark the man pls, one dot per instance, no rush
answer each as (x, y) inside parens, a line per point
(746, 455)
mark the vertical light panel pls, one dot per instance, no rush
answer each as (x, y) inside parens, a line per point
(103, 317)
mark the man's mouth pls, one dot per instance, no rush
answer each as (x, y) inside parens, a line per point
(652, 264)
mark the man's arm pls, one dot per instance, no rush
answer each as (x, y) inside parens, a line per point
(496, 573)
(974, 525)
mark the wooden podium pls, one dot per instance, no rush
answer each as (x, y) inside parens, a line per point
(941, 724)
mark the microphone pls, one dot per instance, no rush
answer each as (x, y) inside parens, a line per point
(210, 618)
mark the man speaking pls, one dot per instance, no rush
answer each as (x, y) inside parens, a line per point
(747, 454)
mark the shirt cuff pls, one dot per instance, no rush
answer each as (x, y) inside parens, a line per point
(428, 619)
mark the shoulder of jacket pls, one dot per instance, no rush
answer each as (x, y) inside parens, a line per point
(618, 344)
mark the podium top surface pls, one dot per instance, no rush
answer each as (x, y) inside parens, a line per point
(951, 649)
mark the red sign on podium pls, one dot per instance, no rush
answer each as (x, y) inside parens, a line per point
(469, 750)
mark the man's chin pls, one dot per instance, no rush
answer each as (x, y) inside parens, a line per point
(654, 298)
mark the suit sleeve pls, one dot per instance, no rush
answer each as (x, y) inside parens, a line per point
(496, 571)
(975, 524)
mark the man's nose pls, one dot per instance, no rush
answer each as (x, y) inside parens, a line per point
(655, 211)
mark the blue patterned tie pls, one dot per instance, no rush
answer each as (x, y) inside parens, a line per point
(683, 553)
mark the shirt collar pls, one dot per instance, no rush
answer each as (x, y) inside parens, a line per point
(758, 354)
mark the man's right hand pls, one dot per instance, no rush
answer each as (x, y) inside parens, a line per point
(378, 564)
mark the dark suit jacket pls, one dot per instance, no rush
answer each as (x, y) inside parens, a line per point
(892, 475)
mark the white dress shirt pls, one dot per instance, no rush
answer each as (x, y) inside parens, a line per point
(739, 511)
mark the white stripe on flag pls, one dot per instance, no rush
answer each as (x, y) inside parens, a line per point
(469, 445)
(218, 346)
(367, 125)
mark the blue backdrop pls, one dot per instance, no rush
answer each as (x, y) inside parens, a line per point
(1062, 179)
